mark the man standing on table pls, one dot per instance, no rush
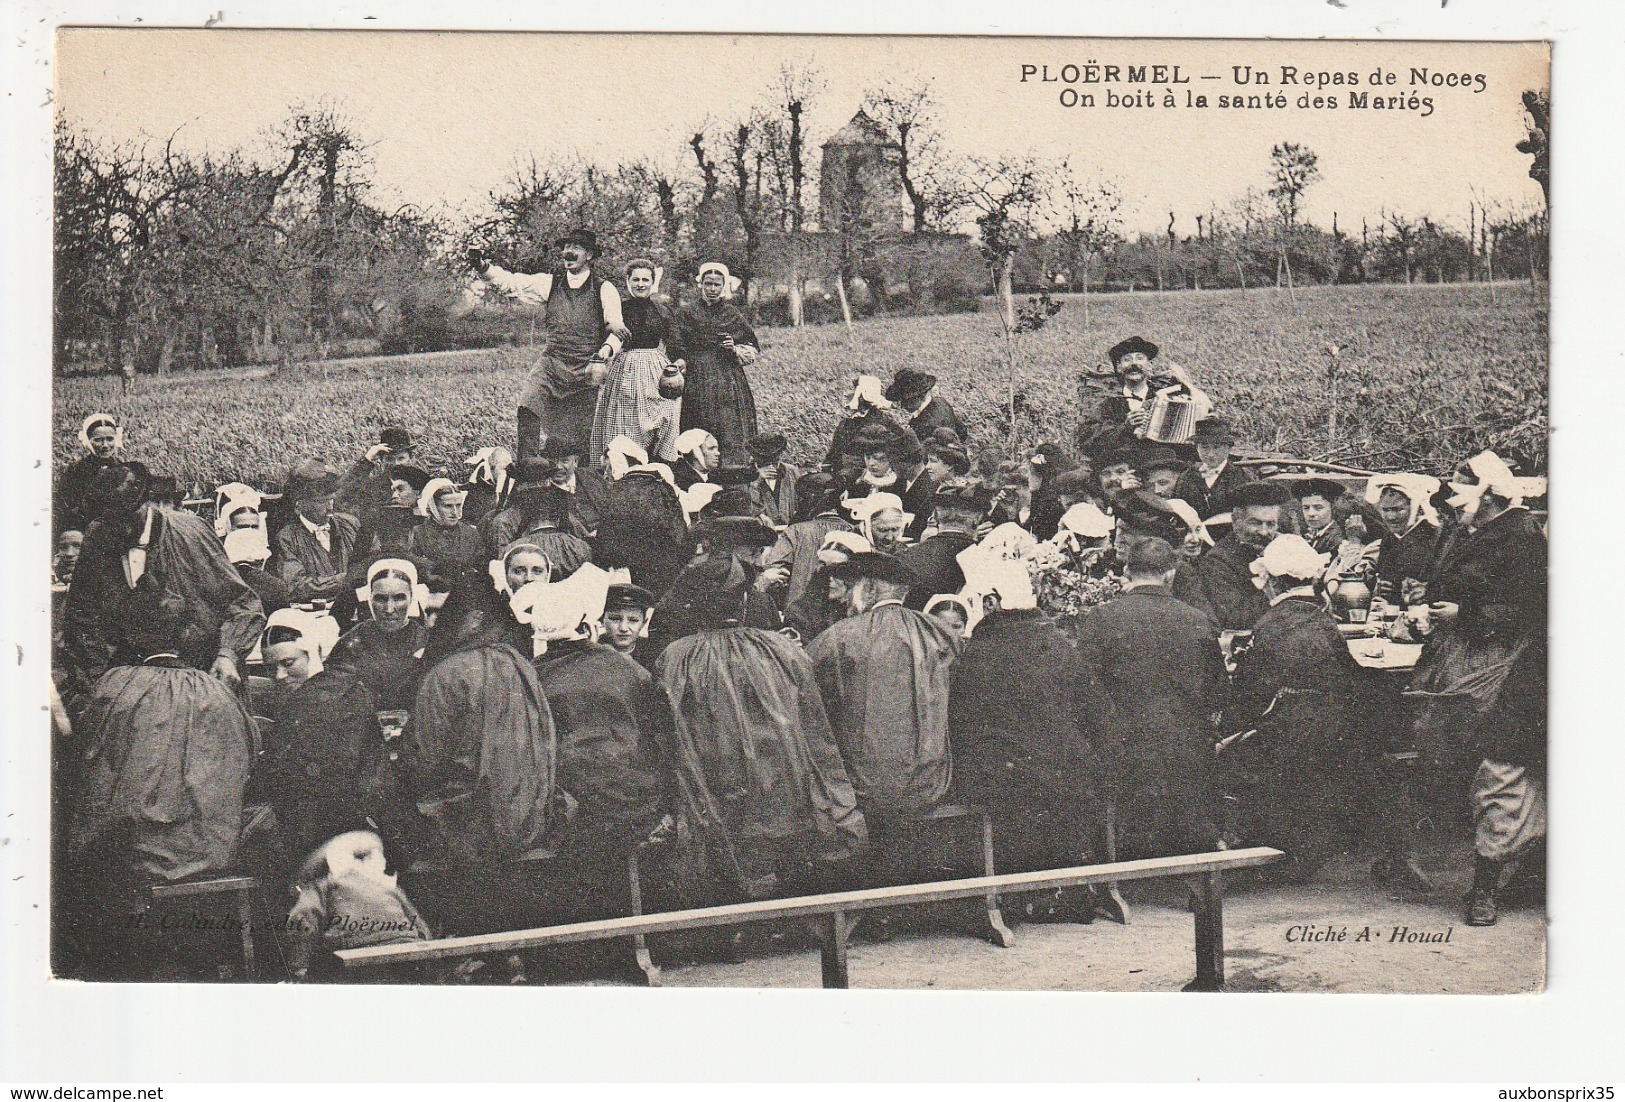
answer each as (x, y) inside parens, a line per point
(584, 332)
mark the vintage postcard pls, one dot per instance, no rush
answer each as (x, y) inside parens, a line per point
(701, 510)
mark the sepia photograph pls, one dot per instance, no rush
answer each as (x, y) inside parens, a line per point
(796, 511)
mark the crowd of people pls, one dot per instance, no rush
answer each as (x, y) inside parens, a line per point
(646, 628)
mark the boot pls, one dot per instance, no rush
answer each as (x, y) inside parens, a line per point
(1481, 909)
(530, 434)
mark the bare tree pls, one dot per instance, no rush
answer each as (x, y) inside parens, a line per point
(1293, 168)
(907, 112)
(1083, 214)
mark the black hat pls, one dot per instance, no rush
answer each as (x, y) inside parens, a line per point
(414, 476)
(767, 447)
(909, 384)
(816, 492)
(1133, 344)
(1049, 458)
(311, 478)
(561, 447)
(1157, 458)
(963, 493)
(1318, 487)
(1075, 481)
(163, 485)
(1144, 513)
(873, 437)
(579, 236)
(627, 595)
(735, 531)
(533, 471)
(1213, 430)
(1263, 492)
(872, 564)
(734, 476)
(1131, 456)
(396, 439)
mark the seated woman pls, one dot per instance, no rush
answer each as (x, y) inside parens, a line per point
(444, 540)
(482, 749)
(762, 785)
(537, 514)
(698, 455)
(167, 752)
(326, 760)
(166, 756)
(383, 649)
(520, 565)
(1413, 536)
(882, 521)
(237, 506)
(613, 722)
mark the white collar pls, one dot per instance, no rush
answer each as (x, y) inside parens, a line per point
(1142, 393)
(578, 280)
(1301, 591)
(1143, 585)
(887, 601)
(314, 528)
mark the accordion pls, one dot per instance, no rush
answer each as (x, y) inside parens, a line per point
(1173, 420)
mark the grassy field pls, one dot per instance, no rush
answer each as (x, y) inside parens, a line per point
(1427, 374)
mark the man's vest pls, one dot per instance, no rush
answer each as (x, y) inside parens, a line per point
(575, 319)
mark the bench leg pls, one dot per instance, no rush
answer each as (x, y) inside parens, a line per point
(836, 928)
(998, 931)
(245, 917)
(640, 944)
(1111, 903)
(1209, 896)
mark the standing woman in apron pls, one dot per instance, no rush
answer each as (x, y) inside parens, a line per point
(630, 402)
(718, 343)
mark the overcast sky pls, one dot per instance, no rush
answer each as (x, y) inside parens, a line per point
(451, 113)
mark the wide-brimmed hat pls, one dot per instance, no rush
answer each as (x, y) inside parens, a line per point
(872, 564)
(1264, 492)
(735, 476)
(1130, 346)
(311, 478)
(396, 439)
(1213, 430)
(1318, 487)
(963, 493)
(735, 531)
(1157, 458)
(767, 447)
(908, 384)
(579, 236)
(414, 476)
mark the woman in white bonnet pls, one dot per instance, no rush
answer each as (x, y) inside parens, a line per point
(718, 344)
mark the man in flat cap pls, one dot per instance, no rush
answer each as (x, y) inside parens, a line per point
(584, 332)
(884, 675)
(626, 617)
(313, 550)
(1221, 583)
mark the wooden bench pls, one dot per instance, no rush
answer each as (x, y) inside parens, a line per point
(243, 887)
(837, 909)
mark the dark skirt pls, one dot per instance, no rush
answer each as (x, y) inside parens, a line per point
(717, 398)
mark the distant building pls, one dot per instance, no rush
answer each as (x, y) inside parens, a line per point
(859, 173)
